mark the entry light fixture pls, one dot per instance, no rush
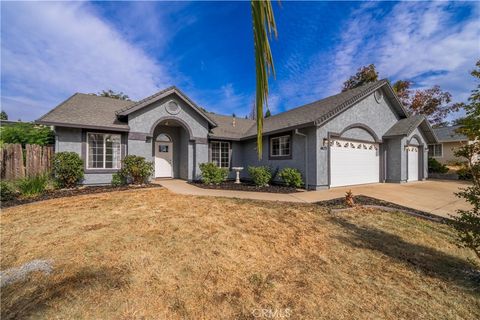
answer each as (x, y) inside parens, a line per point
(325, 144)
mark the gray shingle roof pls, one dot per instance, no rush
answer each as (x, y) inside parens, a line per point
(227, 130)
(405, 127)
(319, 111)
(87, 111)
(448, 134)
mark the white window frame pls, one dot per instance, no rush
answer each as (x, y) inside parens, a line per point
(430, 146)
(229, 152)
(280, 155)
(104, 150)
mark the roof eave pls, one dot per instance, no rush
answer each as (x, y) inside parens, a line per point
(213, 137)
(290, 128)
(347, 104)
(81, 126)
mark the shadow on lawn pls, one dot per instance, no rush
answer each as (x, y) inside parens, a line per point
(33, 295)
(429, 261)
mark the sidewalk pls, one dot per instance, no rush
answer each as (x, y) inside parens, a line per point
(435, 197)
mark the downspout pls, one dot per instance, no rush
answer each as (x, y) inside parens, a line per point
(306, 156)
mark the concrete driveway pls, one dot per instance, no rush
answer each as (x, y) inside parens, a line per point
(433, 196)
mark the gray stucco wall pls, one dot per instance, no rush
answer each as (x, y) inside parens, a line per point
(297, 161)
(143, 120)
(192, 140)
(379, 117)
(73, 140)
(396, 160)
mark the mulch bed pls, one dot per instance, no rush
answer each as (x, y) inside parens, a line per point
(365, 201)
(245, 186)
(62, 193)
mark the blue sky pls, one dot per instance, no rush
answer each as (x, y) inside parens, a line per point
(51, 50)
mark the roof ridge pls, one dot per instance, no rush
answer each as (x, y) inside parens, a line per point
(371, 87)
(145, 99)
(329, 97)
(97, 96)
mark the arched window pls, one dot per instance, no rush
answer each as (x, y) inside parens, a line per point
(162, 137)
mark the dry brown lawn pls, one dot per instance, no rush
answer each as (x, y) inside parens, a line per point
(151, 254)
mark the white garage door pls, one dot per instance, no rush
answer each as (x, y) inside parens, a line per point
(412, 163)
(353, 163)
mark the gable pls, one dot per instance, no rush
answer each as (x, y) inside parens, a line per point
(161, 95)
(145, 119)
(367, 116)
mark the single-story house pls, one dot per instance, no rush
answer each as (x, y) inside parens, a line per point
(359, 136)
(449, 140)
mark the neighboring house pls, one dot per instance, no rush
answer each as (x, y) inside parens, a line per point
(363, 135)
(448, 142)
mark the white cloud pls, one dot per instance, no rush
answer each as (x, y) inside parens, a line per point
(51, 50)
(421, 41)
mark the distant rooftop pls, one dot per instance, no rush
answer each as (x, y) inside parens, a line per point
(449, 134)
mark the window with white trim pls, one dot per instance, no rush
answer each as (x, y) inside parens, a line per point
(220, 153)
(435, 150)
(280, 146)
(103, 151)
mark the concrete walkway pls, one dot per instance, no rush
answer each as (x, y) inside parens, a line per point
(433, 196)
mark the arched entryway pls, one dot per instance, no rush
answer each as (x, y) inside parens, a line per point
(170, 149)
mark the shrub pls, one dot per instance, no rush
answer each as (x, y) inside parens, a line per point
(32, 186)
(211, 174)
(464, 174)
(118, 180)
(7, 191)
(27, 133)
(291, 177)
(349, 199)
(261, 176)
(136, 169)
(67, 169)
(436, 167)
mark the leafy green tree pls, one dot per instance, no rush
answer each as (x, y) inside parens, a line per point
(27, 133)
(3, 115)
(467, 223)
(112, 94)
(268, 113)
(263, 27)
(364, 75)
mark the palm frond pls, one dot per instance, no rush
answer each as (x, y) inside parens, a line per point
(263, 27)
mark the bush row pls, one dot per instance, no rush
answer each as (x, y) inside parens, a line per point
(67, 172)
(261, 176)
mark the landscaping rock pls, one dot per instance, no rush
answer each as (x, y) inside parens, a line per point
(13, 275)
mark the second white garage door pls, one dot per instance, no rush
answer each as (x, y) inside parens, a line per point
(353, 163)
(412, 163)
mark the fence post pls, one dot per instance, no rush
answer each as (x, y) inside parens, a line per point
(18, 167)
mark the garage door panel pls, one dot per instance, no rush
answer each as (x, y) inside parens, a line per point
(354, 163)
(412, 163)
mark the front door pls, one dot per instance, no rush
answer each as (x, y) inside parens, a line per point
(163, 159)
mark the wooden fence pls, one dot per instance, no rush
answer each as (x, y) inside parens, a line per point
(16, 162)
